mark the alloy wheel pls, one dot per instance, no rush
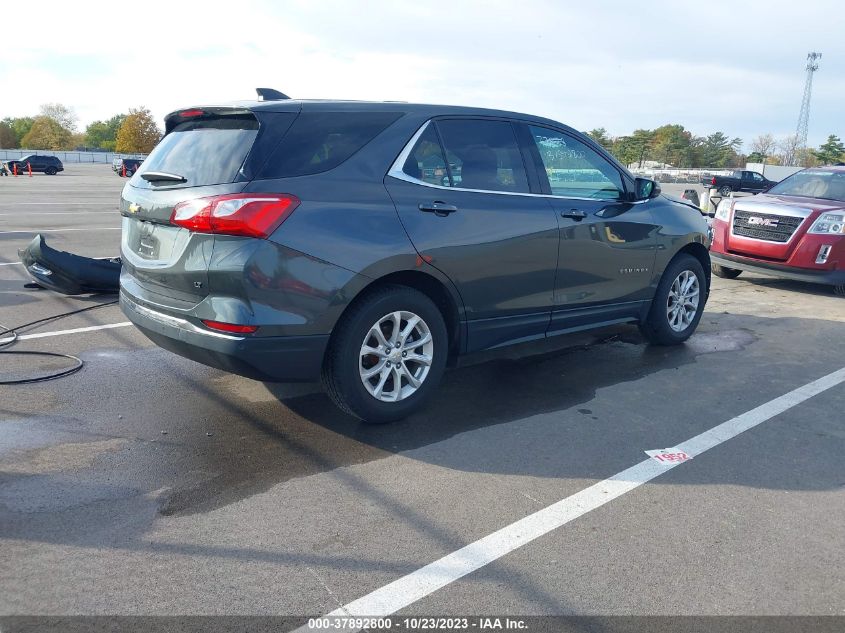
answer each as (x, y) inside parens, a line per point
(682, 304)
(396, 356)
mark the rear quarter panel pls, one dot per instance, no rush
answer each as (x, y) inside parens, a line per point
(346, 233)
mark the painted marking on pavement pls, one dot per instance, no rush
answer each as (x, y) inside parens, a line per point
(78, 330)
(92, 228)
(32, 215)
(418, 584)
(668, 456)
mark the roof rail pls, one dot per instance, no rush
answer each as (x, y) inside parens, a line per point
(268, 94)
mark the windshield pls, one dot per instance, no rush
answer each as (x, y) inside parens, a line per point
(813, 183)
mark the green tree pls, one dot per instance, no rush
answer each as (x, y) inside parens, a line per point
(633, 149)
(599, 135)
(672, 145)
(20, 126)
(138, 133)
(47, 133)
(717, 150)
(8, 140)
(97, 135)
(830, 152)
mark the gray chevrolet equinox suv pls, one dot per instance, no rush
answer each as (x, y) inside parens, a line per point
(370, 244)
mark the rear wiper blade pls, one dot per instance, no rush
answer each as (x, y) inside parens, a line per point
(162, 176)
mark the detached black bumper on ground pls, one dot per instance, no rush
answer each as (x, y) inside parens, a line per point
(68, 273)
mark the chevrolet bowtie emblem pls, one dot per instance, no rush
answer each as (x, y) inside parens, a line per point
(134, 207)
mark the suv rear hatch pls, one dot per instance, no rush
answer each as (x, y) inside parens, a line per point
(205, 152)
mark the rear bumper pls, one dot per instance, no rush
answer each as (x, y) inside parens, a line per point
(831, 277)
(265, 358)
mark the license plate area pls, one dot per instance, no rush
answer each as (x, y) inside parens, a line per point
(148, 243)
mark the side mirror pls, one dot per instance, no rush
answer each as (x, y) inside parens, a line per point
(645, 189)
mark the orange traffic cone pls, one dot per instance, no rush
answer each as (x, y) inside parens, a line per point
(15, 169)
(29, 167)
(123, 170)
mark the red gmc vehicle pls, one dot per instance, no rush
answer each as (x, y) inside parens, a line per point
(796, 230)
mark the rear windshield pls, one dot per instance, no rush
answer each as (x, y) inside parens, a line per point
(320, 141)
(205, 151)
(813, 183)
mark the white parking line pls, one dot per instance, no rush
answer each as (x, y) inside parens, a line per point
(422, 582)
(18, 204)
(32, 215)
(92, 228)
(78, 330)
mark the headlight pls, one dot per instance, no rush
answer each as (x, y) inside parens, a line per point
(829, 224)
(723, 211)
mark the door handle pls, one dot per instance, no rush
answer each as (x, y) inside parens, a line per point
(438, 208)
(574, 214)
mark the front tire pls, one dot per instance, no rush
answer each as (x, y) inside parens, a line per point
(839, 290)
(725, 273)
(387, 355)
(678, 303)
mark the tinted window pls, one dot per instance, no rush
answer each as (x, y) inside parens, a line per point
(426, 161)
(483, 155)
(207, 151)
(320, 141)
(574, 169)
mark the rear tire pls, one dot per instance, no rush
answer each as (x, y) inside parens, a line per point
(678, 303)
(725, 191)
(129, 173)
(725, 273)
(389, 393)
(50, 171)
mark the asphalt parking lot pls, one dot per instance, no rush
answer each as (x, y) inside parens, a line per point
(147, 484)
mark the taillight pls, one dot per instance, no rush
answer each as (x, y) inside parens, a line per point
(186, 114)
(713, 180)
(231, 328)
(246, 214)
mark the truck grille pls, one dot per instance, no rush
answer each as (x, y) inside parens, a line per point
(765, 226)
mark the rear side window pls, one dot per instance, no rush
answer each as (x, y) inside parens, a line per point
(320, 141)
(208, 151)
(483, 155)
(426, 161)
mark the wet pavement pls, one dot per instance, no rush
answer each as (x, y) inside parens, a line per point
(149, 484)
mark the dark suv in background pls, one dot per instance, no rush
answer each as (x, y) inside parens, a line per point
(49, 165)
(372, 243)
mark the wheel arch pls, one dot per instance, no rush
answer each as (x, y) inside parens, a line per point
(700, 252)
(444, 297)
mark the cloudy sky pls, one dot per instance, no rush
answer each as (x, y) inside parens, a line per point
(711, 66)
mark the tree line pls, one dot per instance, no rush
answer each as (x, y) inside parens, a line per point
(55, 128)
(673, 145)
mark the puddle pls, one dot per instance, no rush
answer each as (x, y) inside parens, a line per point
(722, 341)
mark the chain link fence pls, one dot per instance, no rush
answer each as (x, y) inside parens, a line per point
(689, 176)
(67, 157)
